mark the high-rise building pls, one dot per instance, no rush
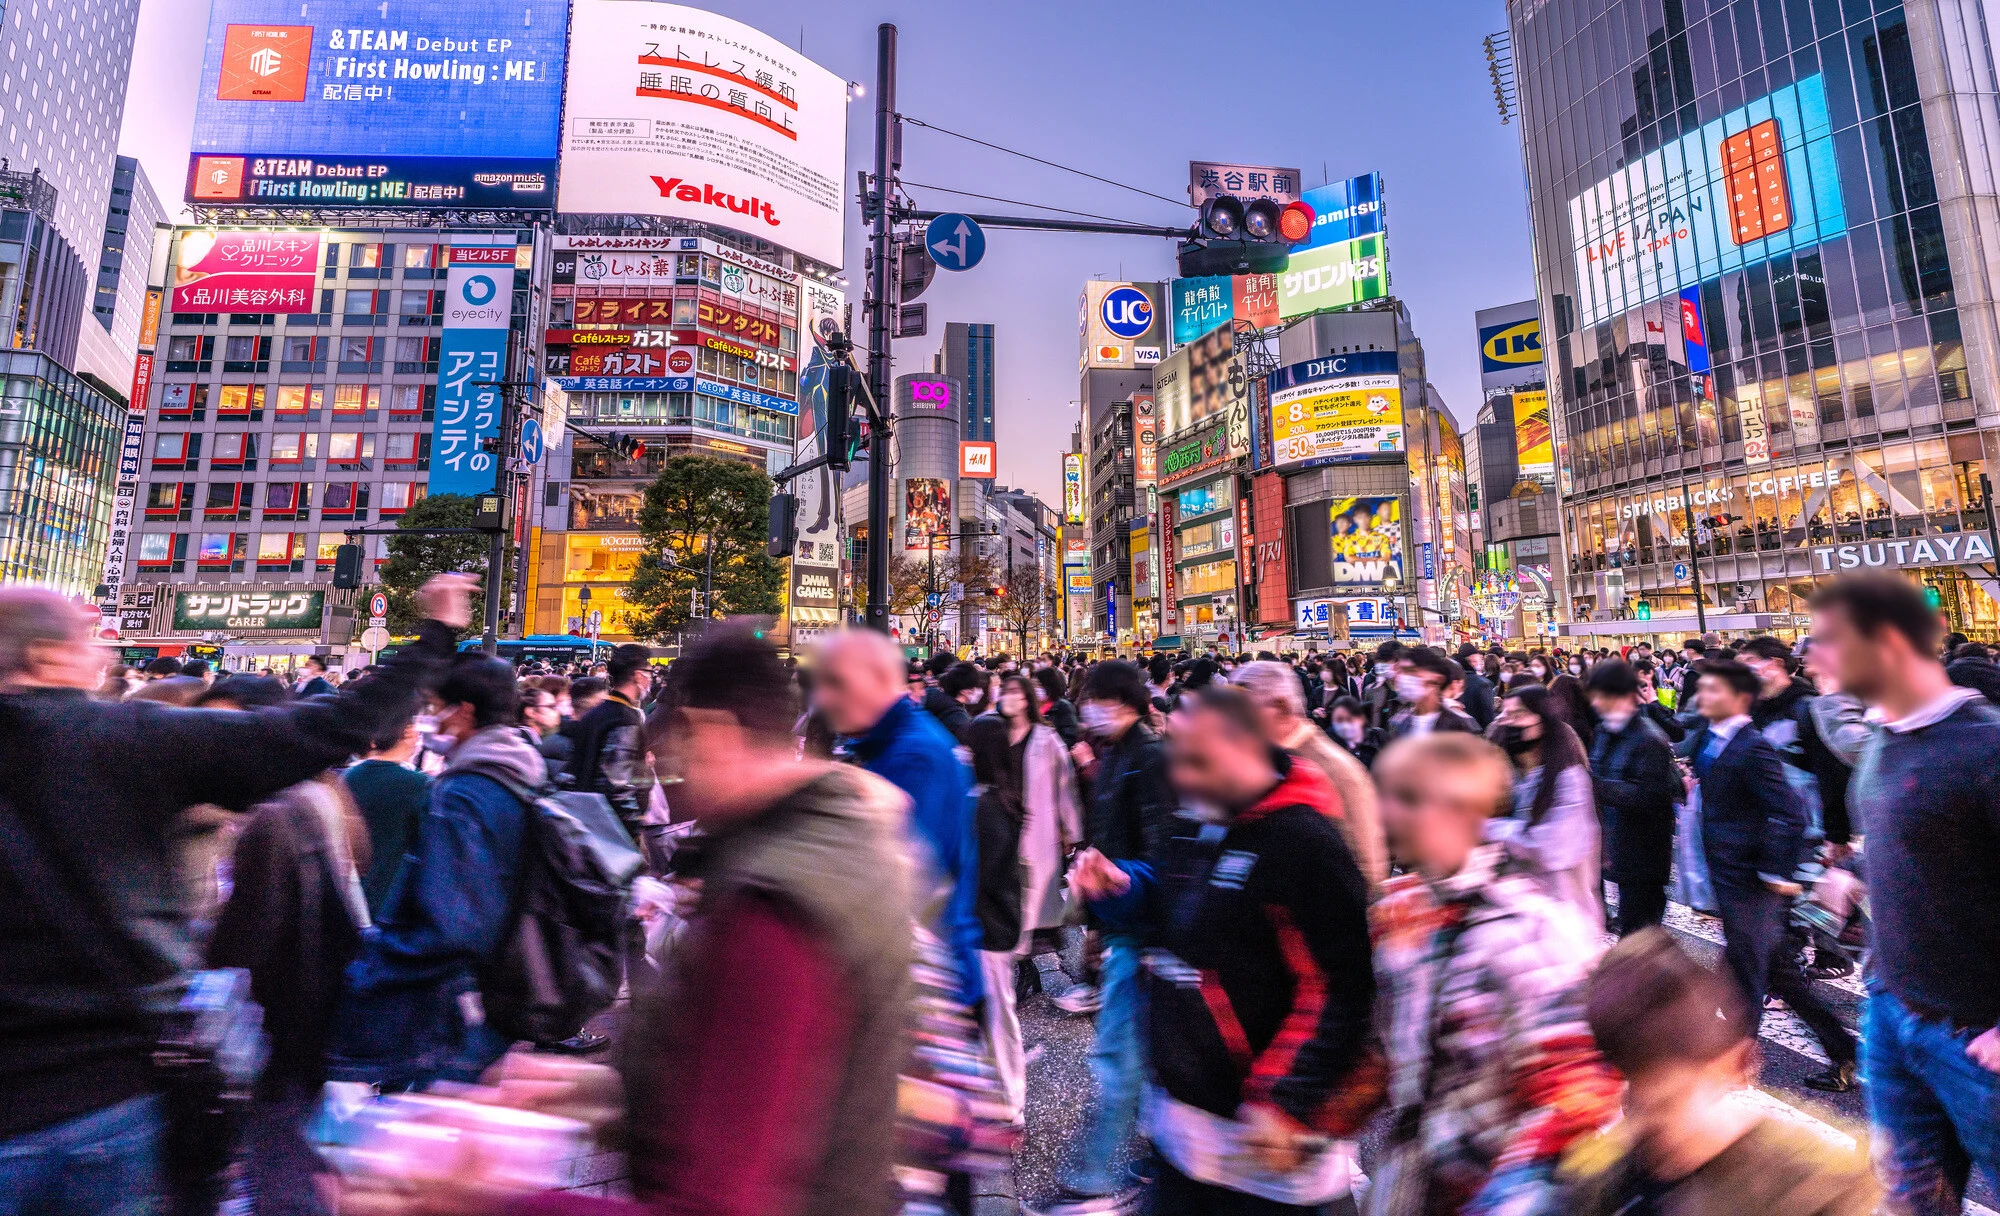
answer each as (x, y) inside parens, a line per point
(967, 356)
(108, 340)
(1779, 365)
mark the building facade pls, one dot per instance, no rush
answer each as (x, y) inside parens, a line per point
(1770, 333)
(967, 356)
(107, 348)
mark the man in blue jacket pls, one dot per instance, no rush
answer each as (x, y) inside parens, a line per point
(414, 1011)
(859, 686)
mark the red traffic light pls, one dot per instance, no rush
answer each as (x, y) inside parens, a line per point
(1295, 223)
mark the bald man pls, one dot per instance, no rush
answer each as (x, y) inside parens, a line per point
(89, 915)
(858, 685)
(1281, 710)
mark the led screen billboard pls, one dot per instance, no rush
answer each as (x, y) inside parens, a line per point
(926, 514)
(1201, 305)
(1367, 544)
(1334, 276)
(678, 112)
(416, 104)
(1344, 211)
(1533, 438)
(479, 300)
(1759, 181)
(1342, 407)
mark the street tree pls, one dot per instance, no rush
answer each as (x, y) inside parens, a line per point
(919, 590)
(1023, 604)
(704, 528)
(412, 558)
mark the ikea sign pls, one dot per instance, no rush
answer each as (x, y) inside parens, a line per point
(1504, 348)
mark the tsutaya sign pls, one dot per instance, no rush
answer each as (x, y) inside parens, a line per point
(1940, 549)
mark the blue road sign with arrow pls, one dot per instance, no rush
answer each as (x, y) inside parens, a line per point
(955, 242)
(1680, 571)
(531, 441)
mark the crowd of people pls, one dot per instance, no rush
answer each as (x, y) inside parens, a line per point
(1406, 899)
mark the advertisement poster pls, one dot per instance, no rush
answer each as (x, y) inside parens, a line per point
(1201, 381)
(1533, 439)
(1343, 407)
(1367, 544)
(816, 555)
(1204, 304)
(1122, 324)
(1072, 488)
(379, 103)
(1344, 211)
(683, 113)
(1334, 276)
(1145, 440)
(479, 301)
(926, 514)
(1758, 181)
(246, 272)
(196, 611)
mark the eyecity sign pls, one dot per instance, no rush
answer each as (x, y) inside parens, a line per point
(1936, 549)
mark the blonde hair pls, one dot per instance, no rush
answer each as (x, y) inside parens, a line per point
(1413, 758)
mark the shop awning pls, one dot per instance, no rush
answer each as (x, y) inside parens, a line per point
(1679, 624)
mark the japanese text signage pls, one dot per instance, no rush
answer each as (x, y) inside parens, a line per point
(737, 324)
(1207, 179)
(1333, 276)
(246, 272)
(677, 112)
(198, 611)
(479, 300)
(406, 104)
(1072, 488)
(1341, 407)
(1204, 304)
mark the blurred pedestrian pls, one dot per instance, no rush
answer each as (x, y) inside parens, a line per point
(1280, 704)
(1348, 724)
(609, 756)
(1553, 830)
(1633, 776)
(1492, 1070)
(312, 680)
(1421, 677)
(391, 796)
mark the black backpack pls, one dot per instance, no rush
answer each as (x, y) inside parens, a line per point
(560, 963)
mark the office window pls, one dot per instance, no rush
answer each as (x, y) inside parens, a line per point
(285, 448)
(356, 398)
(229, 447)
(344, 445)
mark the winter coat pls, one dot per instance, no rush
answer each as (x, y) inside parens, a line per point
(1774, 1169)
(608, 757)
(405, 1016)
(1636, 784)
(1026, 824)
(1565, 847)
(1491, 1064)
(910, 751)
(1355, 806)
(949, 711)
(100, 784)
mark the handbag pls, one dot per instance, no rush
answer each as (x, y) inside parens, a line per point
(209, 1046)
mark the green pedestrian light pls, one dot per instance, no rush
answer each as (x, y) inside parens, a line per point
(1642, 611)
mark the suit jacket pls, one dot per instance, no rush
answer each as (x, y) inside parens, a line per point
(1750, 822)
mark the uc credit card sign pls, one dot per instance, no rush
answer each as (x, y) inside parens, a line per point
(383, 103)
(479, 301)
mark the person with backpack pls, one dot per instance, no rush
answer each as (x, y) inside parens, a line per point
(607, 756)
(417, 1007)
(92, 945)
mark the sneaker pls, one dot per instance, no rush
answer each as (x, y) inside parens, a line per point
(1079, 999)
(578, 1045)
(1837, 1079)
(1119, 1203)
(1830, 971)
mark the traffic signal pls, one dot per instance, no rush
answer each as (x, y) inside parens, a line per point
(1642, 611)
(1245, 236)
(839, 415)
(1933, 597)
(347, 567)
(784, 524)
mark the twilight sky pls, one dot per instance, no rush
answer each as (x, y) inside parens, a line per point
(1131, 91)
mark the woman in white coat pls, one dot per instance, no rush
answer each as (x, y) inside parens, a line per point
(1029, 819)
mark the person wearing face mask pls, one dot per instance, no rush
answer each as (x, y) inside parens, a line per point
(1632, 772)
(1028, 818)
(1349, 727)
(1422, 675)
(1478, 695)
(1553, 830)
(1783, 711)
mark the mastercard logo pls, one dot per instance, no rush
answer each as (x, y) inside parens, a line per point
(1109, 354)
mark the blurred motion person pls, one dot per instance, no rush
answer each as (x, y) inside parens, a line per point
(1553, 830)
(1280, 703)
(1633, 775)
(1492, 1072)
(608, 756)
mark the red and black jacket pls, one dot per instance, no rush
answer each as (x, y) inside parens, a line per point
(1258, 970)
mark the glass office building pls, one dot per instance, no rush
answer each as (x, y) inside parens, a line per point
(1768, 318)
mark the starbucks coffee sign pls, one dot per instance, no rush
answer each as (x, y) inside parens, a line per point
(1904, 552)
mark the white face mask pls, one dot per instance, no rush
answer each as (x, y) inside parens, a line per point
(1539, 672)
(1350, 731)
(1412, 687)
(1615, 722)
(1096, 718)
(1576, 669)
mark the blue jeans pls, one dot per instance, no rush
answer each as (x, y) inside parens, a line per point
(1117, 1065)
(1936, 1112)
(105, 1163)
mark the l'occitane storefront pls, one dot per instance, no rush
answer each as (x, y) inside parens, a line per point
(571, 563)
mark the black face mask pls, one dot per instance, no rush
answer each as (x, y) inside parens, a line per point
(1513, 744)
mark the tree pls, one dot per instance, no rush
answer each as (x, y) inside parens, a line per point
(1023, 606)
(414, 559)
(920, 589)
(696, 508)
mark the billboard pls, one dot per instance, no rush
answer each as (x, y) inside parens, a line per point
(379, 104)
(1510, 346)
(1145, 440)
(1207, 303)
(1121, 324)
(1344, 211)
(1334, 276)
(1759, 181)
(683, 113)
(926, 514)
(976, 458)
(1201, 380)
(246, 272)
(1208, 178)
(1533, 439)
(479, 303)
(200, 611)
(1072, 487)
(1342, 407)
(1367, 544)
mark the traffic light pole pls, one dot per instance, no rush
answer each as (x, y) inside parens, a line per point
(1694, 559)
(888, 133)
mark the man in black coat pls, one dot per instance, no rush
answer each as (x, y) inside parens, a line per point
(91, 927)
(608, 755)
(1478, 697)
(1632, 770)
(1752, 833)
